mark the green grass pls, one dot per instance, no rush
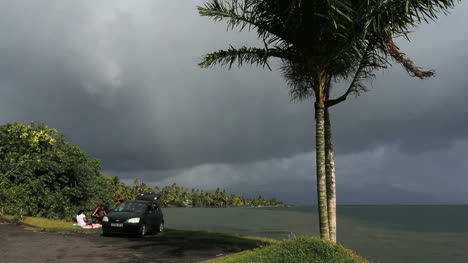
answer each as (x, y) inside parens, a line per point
(49, 225)
(297, 250)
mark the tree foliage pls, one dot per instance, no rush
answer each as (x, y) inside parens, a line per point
(339, 39)
(177, 196)
(46, 175)
(22, 146)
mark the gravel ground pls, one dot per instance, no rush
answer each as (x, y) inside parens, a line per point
(20, 245)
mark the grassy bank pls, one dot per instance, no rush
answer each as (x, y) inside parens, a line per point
(49, 225)
(297, 250)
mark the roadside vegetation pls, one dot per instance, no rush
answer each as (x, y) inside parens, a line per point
(43, 175)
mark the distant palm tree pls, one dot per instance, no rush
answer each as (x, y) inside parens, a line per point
(318, 43)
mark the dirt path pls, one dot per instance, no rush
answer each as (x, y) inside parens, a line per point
(20, 245)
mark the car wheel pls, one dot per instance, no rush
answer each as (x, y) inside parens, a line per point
(105, 234)
(143, 230)
(161, 227)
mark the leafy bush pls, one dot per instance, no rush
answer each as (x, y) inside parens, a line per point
(43, 175)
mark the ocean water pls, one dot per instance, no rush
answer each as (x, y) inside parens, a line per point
(381, 233)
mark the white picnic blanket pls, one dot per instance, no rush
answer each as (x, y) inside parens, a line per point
(90, 226)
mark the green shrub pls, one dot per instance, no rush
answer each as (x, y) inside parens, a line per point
(43, 175)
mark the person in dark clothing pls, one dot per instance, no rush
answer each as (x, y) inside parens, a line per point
(98, 214)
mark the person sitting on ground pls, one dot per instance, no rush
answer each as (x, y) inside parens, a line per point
(99, 212)
(81, 219)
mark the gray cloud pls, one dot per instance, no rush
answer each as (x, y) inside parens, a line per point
(120, 79)
(378, 176)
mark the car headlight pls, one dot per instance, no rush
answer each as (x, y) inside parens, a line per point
(134, 220)
(105, 219)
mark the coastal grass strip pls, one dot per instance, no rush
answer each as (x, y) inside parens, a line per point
(297, 250)
(50, 225)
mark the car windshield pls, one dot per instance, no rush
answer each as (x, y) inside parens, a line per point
(131, 207)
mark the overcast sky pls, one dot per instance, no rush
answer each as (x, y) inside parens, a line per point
(120, 79)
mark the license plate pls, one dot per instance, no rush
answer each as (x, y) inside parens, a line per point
(116, 225)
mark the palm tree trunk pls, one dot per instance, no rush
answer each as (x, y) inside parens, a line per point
(330, 177)
(321, 175)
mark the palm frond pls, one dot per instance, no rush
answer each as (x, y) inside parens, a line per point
(398, 16)
(323, 36)
(301, 80)
(236, 13)
(245, 55)
(372, 59)
(381, 21)
(247, 14)
(400, 57)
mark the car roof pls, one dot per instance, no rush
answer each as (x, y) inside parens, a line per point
(141, 201)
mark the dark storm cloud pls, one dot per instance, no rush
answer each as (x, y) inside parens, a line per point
(130, 92)
(418, 115)
(121, 80)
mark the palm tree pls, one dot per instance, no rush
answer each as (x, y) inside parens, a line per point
(319, 43)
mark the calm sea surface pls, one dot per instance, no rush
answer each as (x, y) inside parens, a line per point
(387, 234)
